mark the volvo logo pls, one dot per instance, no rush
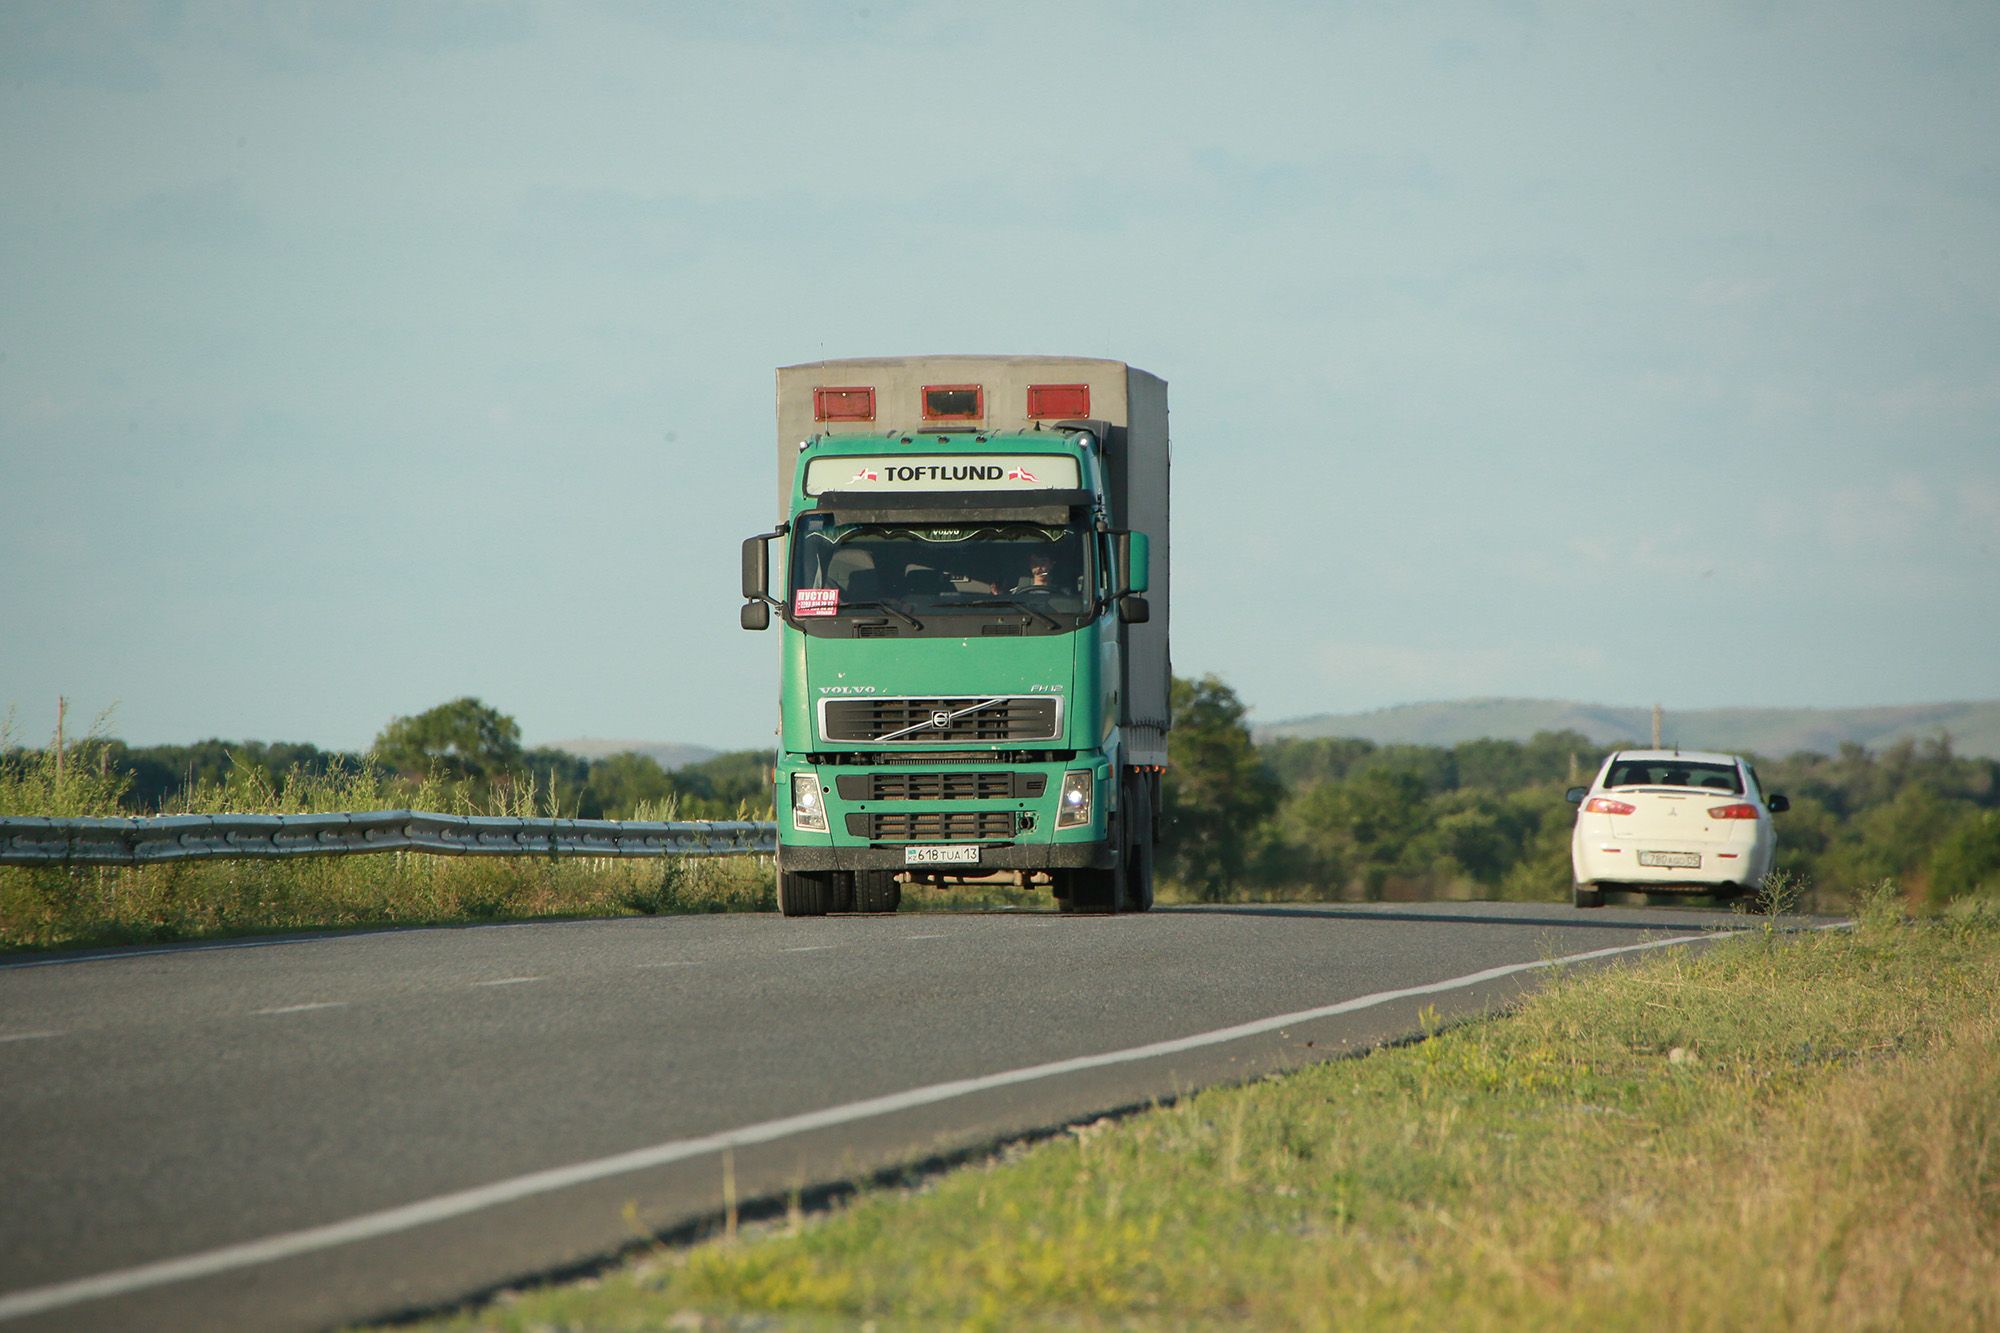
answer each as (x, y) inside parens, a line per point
(941, 719)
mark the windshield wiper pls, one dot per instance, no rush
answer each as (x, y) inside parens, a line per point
(903, 616)
(1044, 616)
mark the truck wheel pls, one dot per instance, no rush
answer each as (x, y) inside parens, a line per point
(1587, 895)
(808, 893)
(1138, 847)
(1093, 892)
(876, 891)
(1127, 886)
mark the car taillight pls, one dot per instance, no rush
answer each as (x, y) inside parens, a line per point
(1741, 810)
(1604, 805)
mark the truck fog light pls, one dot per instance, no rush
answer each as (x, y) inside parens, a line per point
(808, 803)
(1073, 808)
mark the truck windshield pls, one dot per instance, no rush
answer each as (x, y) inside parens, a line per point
(1024, 570)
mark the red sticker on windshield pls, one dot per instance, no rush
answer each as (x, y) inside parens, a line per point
(816, 602)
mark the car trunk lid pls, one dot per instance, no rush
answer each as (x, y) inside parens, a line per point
(1670, 816)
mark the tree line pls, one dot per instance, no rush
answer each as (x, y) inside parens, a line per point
(1350, 819)
(464, 743)
(1333, 818)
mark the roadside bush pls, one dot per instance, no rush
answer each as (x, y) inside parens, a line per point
(1967, 860)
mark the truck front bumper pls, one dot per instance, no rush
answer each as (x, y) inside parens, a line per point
(869, 815)
(1014, 856)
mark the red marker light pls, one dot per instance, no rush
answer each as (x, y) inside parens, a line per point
(844, 404)
(1058, 400)
(1741, 810)
(1604, 805)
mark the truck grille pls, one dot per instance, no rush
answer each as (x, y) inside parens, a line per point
(932, 825)
(1021, 717)
(940, 786)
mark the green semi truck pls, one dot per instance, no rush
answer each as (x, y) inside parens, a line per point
(970, 567)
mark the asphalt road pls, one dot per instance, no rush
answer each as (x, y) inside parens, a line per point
(295, 1133)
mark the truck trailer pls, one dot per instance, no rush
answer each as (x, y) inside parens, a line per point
(971, 571)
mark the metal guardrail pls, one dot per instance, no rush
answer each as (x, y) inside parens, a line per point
(37, 841)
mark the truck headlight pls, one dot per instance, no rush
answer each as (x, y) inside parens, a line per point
(808, 803)
(1073, 806)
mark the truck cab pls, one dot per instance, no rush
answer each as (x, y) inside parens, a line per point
(973, 628)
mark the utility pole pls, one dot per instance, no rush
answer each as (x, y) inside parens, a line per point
(62, 706)
(1656, 726)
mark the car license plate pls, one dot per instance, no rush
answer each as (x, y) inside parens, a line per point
(1672, 860)
(958, 854)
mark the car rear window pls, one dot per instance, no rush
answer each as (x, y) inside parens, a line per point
(1674, 773)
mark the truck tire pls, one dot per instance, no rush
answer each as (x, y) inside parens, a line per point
(1127, 887)
(1138, 845)
(1587, 895)
(1091, 892)
(876, 891)
(808, 893)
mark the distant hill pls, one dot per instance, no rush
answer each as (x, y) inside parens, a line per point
(1974, 727)
(669, 755)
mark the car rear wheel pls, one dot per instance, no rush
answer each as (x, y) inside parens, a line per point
(1587, 895)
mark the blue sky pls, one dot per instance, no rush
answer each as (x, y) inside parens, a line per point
(354, 357)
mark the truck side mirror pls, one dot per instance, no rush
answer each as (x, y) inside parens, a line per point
(1134, 562)
(1133, 609)
(757, 603)
(756, 578)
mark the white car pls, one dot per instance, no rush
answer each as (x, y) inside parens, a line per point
(1672, 820)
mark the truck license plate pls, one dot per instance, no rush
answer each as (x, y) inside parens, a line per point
(1675, 860)
(958, 854)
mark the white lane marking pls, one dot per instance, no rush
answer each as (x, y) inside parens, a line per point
(27, 1036)
(808, 948)
(926, 937)
(679, 962)
(301, 1008)
(443, 1207)
(507, 981)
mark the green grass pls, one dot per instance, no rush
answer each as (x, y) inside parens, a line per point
(1777, 1132)
(65, 907)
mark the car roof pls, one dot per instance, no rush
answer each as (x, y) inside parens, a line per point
(1668, 756)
